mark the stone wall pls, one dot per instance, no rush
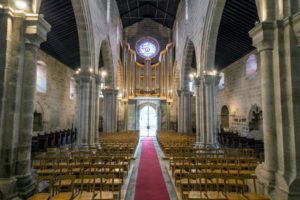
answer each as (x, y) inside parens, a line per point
(240, 94)
(57, 109)
(144, 28)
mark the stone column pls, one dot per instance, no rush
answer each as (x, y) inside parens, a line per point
(263, 40)
(21, 35)
(97, 113)
(110, 110)
(200, 119)
(87, 103)
(210, 82)
(206, 116)
(179, 111)
(186, 99)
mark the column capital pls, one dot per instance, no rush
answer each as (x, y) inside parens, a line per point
(197, 81)
(82, 78)
(263, 36)
(110, 91)
(211, 79)
(36, 29)
(178, 92)
(186, 92)
(296, 26)
(98, 79)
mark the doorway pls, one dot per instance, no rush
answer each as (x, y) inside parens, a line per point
(148, 121)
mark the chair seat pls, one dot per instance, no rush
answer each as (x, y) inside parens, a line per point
(63, 196)
(214, 195)
(63, 183)
(235, 196)
(197, 195)
(40, 196)
(255, 196)
(85, 196)
(84, 181)
(104, 195)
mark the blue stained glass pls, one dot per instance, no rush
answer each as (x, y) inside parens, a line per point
(147, 47)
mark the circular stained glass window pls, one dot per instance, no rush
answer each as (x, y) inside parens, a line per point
(147, 47)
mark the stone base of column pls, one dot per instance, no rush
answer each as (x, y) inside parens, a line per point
(285, 190)
(265, 178)
(202, 145)
(8, 189)
(98, 145)
(26, 186)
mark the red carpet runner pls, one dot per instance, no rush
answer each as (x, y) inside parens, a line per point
(150, 184)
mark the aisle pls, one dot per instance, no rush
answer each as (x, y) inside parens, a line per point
(150, 183)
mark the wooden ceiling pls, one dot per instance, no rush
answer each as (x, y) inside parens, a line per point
(62, 41)
(161, 11)
(233, 41)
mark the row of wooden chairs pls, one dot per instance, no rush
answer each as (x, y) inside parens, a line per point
(98, 186)
(86, 173)
(211, 173)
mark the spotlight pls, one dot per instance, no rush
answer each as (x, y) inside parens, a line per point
(22, 5)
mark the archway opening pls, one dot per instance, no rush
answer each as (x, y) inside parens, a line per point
(148, 121)
(224, 117)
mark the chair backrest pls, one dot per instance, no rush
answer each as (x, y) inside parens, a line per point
(62, 180)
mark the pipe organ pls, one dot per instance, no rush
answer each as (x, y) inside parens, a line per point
(147, 79)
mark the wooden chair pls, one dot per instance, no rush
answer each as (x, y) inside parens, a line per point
(42, 195)
(87, 188)
(63, 187)
(104, 187)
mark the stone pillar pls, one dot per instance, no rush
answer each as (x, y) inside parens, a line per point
(206, 116)
(110, 110)
(21, 35)
(186, 98)
(276, 41)
(184, 111)
(179, 112)
(210, 82)
(200, 119)
(97, 109)
(263, 40)
(88, 103)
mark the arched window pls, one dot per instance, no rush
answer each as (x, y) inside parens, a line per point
(191, 86)
(251, 66)
(186, 10)
(72, 89)
(108, 11)
(41, 77)
(222, 81)
(225, 117)
(255, 118)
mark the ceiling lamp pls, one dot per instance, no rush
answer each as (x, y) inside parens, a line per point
(21, 5)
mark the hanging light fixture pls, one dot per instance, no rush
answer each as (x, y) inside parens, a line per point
(21, 5)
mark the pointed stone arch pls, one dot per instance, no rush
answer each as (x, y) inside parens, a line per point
(106, 54)
(85, 34)
(188, 53)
